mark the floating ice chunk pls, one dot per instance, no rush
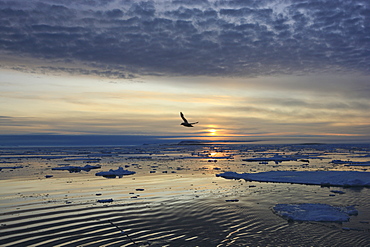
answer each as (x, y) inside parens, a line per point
(83, 159)
(367, 163)
(350, 210)
(105, 200)
(354, 183)
(340, 162)
(350, 163)
(338, 191)
(232, 200)
(71, 169)
(323, 178)
(120, 172)
(232, 175)
(314, 212)
(277, 159)
(10, 167)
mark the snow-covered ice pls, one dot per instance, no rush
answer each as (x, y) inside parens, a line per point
(314, 212)
(358, 164)
(10, 167)
(105, 200)
(120, 172)
(277, 159)
(280, 158)
(350, 163)
(338, 191)
(83, 159)
(76, 168)
(324, 178)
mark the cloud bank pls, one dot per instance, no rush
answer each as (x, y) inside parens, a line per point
(124, 39)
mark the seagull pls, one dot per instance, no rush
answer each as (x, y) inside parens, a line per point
(186, 123)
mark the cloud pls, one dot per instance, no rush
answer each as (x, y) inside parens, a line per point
(183, 37)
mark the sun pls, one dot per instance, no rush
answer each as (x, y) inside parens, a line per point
(212, 131)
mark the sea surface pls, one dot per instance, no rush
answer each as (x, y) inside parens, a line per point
(174, 198)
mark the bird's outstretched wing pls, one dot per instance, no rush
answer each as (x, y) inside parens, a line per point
(183, 118)
(194, 123)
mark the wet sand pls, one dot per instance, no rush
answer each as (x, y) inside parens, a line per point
(174, 199)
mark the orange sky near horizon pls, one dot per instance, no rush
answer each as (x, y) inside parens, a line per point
(244, 70)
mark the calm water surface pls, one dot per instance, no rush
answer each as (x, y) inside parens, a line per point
(174, 199)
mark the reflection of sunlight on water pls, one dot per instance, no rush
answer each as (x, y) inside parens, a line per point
(210, 167)
(187, 200)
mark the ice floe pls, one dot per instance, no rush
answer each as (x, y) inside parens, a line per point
(120, 172)
(76, 168)
(314, 212)
(105, 200)
(358, 164)
(10, 167)
(232, 200)
(338, 191)
(277, 159)
(323, 178)
(280, 158)
(350, 163)
(83, 159)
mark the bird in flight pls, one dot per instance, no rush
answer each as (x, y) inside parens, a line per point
(186, 123)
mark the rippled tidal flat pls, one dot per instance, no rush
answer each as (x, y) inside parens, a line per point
(174, 198)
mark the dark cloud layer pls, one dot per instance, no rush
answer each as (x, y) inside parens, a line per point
(119, 38)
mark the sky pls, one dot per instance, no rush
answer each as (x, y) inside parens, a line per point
(246, 70)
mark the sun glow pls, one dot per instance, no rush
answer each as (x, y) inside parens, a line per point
(212, 131)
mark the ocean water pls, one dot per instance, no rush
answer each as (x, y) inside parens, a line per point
(174, 198)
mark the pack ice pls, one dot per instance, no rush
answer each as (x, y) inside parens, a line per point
(120, 172)
(314, 212)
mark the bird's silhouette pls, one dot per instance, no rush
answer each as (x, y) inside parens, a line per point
(186, 123)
